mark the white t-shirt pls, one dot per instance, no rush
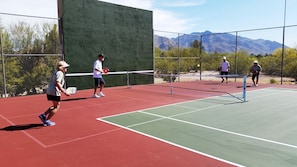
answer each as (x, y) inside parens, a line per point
(98, 66)
(52, 89)
(225, 66)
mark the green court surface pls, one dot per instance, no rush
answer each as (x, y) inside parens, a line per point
(259, 132)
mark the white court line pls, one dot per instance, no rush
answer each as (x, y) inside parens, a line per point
(85, 137)
(161, 118)
(274, 90)
(200, 125)
(23, 131)
(177, 104)
(174, 144)
(89, 136)
(60, 143)
(222, 130)
(180, 105)
(82, 138)
(93, 135)
(280, 89)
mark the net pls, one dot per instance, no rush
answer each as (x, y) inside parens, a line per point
(210, 86)
(188, 85)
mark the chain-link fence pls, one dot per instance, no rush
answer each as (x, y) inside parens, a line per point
(202, 53)
(29, 53)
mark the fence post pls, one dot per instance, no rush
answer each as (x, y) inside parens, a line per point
(128, 80)
(171, 86)
(244, 89)
(3, 66)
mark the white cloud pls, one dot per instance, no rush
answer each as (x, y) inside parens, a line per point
(170, 22)
(163, 20)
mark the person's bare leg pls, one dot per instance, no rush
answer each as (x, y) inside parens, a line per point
(257, 79)
(55, 108)
(95, 89)
(253, 79)
(100, 90)
(101, 87)
(48, 110)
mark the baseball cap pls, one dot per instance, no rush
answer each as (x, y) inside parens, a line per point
(224, 58)
(101, 55)
(255, 62)
(63, 64)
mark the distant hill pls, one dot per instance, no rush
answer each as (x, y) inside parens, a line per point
(222, 43)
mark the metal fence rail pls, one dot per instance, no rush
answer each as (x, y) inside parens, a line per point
(177, 61)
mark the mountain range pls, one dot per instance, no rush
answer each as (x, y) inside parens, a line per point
(219, 42)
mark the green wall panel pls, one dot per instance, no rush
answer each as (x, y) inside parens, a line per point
(123, 34)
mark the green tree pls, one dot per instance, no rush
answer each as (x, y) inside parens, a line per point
(196, 44)
(211, 61)
(195, 55)
(22, 36)
(11, 65)
(290, 69)
(35, 70)
(51, 39)
(241, 63)
(272, 63)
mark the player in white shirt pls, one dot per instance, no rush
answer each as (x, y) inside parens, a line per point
(53, 93)
(224, 68)
(97, 75)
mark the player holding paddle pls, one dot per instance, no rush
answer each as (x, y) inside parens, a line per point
(224, 68)
(97, 75)
(255, 70)
(54, 93)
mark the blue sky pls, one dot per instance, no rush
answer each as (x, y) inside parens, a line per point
(186, 16)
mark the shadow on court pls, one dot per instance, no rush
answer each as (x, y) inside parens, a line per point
(213, 83)
(75, 99)
(22, 127)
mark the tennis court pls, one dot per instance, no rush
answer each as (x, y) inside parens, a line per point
(146, 125)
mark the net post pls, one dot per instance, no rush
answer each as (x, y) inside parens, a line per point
(128, 80)
(244, 89)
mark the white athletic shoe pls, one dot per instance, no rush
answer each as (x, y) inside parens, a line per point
(96, 96)
(49, 123)
(101, 94)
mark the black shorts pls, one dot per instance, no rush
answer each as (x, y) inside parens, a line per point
(224, 72)
(255, 75)
(99, 81)
(53, 98)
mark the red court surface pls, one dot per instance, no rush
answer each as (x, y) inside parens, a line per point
(78, 139)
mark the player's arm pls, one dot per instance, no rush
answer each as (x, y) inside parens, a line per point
(260, 68)
(97, 68)
(220, 68)
(60, 87)
(252, 70)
